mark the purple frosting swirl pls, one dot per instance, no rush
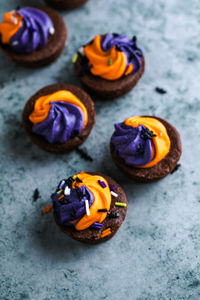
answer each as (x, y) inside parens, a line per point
(125, 44)
(72, 206)
(63, 122)
(34, 32)
(132, 144)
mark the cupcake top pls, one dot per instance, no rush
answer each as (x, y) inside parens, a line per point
(141, 141)
(59, 116)
(82, 201)
(112, 56)
(26, 30)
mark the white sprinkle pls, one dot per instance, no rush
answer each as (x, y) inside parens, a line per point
(87, 207)
(160, 133)
(15, 43)
(67, 191)
(81, 51)
(114, 194)
(14, 20)
(61, 184)
(52, 30)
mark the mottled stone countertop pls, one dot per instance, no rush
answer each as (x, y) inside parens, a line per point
(155, 254)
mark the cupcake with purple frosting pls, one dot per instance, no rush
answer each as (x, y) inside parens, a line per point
(59, 117)
(33, 37)
(89, 207)
(146, 148)
(110, 65)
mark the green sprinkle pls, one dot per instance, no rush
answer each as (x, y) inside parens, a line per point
(74, 177)
(120, 204)
(75, 57)
(110, 61)
(60, 191)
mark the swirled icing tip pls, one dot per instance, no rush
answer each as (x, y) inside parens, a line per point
(141, 141)
(87, 204)
(111, 56)
(26, 29)
(59, 116)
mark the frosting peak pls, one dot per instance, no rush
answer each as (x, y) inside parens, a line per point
(141, 141)
(58, 117)
(112, 56)
(26, 30)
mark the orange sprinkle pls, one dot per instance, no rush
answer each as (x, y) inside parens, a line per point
(47, 209)
(106, 232)
(62, 196)
(129, 70)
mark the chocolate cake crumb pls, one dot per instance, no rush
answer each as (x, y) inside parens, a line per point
(160, 90)
(176, 168)
(84, 155)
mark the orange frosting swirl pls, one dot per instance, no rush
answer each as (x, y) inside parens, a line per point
(10, 25)
(102, 199)
(160, 143)
(100, 60)
(43, 104)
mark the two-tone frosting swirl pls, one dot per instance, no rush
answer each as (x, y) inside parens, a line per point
(141, 141)
(58, 117)
(71, 195)
(26, 30)
(112, 56)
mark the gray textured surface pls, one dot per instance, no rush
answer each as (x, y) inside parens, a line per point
(155, 254)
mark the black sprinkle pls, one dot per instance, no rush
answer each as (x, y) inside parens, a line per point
(160, 91)
(134, 39)
(73, 213)
(69, 181)
(140, 149)
(147, 134)
(102, 210)
(84, 155)
(79, 193)
(176, 168)
(36, 195)
(113, 214)
(64, 201)
(78, 179)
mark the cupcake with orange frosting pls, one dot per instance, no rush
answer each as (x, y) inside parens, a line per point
(145, 148)
(110, 65)
(59, 117)
(31, 36)
(89, 207)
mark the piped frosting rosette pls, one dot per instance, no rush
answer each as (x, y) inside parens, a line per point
(26, 30)
(78, 201)
(141, 141)
(58, 117)
(112, 56)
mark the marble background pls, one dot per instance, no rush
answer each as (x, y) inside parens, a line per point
(155, 254)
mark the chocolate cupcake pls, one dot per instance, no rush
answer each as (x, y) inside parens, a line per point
(89, 207)
(66, 4)
(110, 65)
(146, 148)
(59, 117)
(33, 37)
